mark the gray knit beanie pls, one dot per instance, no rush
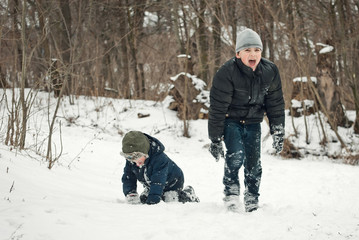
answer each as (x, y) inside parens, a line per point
(135, 141)
(247, 39)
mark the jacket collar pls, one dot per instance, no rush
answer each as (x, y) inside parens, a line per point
(247, 70)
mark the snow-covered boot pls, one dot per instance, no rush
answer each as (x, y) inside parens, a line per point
(188, 195)
(250, 202)
(251, 205)
(170, 196)
(231, 202)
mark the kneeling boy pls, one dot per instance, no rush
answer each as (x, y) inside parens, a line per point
(148, 164)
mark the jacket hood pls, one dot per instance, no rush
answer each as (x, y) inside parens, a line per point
(156, 146)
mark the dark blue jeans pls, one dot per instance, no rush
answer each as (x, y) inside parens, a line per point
(243, 143)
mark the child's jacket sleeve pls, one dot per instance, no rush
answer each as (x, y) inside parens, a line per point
(129, 180)
(158, 179)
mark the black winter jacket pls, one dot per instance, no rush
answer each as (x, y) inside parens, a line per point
(242, 94)
(159, 173)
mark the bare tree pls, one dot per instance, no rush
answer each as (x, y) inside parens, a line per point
(123, 31)
(135, 14)
(216, 35)
(202, 40)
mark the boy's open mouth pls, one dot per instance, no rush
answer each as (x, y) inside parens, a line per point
(252, 62)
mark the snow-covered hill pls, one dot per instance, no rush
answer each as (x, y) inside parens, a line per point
(81, 196)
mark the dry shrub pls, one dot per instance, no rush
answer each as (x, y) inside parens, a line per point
(289, 150)
(352, 159)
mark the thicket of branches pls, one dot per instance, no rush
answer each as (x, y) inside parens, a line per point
(129, 48)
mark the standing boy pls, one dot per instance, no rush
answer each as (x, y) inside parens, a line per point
(243, 89)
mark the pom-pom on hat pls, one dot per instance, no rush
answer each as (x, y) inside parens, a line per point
(135, 141)
(247, 39)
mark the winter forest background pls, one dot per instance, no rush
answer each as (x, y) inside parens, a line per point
(130, 50)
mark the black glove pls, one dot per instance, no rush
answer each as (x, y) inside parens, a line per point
(278, 143)
(278, 134)
(144, 195)
(216, 149)
(143, 199)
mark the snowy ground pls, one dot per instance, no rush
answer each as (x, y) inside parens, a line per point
(81, 197)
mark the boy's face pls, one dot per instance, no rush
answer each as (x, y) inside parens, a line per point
(250, 57)
(140, 161)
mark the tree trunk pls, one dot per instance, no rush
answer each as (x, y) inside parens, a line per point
(176, 27)
(136, 24)
(203, 42)
(327, 84)
(347, 44)
(3, 82)
(125, 75)
(233, 18)
(65, 42)
(46, 44)
(142, 80)
(23, 79)
(216, 37)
